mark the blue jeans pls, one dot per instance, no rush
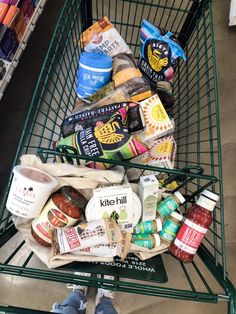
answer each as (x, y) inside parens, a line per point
(76, 303)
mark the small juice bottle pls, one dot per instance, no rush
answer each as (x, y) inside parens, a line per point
(146, 227)
(148, 241)
(169, 204)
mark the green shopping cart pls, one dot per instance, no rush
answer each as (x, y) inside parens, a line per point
(198, 161)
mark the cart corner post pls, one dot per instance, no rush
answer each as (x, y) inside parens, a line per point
(86, 13)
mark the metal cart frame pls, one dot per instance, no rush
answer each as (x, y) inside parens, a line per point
(198, 162)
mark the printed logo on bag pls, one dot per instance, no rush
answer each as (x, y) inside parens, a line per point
(110, 133)
(106, 133)
(157, 53)
(156, 59)
(96, 38)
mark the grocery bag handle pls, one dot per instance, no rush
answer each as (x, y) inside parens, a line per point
(65, 149)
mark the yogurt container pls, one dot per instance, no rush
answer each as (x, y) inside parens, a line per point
(29, 191)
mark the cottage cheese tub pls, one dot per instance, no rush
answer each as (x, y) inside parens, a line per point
(29, 191)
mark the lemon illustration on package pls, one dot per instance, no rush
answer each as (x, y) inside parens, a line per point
(123, 214)
(106, 215)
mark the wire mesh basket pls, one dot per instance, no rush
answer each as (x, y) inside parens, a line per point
(198, 161)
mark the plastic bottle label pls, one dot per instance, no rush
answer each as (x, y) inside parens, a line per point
(167, 206)
(143, 243)
(169, 230)
(144, 227)
(190, 237)
(91, 79)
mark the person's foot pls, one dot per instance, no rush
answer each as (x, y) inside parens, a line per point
(103, 292)
(79, 287)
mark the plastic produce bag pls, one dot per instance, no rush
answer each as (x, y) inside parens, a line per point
(130, 78)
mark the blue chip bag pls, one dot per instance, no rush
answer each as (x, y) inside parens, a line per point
(159, 51)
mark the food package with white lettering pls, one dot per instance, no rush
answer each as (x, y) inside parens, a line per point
(102, 250)
(110, 140)
(85, 235)
(117, 202)
(102, 37)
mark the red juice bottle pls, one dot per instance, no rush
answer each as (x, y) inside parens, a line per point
(197, 221)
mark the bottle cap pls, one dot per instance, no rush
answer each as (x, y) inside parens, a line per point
(74, 196)
(177, 216)
(211, 195)
(159, 224)
(157, 240)
(180, 197)
(206, 203)
(96, 60)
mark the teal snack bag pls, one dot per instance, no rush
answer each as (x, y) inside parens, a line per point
(159, 51)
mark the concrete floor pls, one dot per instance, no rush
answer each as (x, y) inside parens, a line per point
(17, 290)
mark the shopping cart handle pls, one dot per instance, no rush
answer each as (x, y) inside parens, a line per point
(65, 149)
(196, 169)
(182, 178)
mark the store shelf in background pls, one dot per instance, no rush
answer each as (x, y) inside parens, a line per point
(11, 66)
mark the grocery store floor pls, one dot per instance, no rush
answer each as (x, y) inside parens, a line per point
(37, 294)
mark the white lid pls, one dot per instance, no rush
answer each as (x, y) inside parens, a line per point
(177, 216)
(149, 180)
(206, 203)
(157, 240)
(159, 224)
(36, 176)
(90, 214)
(180, 197)
(211, 195)
(137, 209)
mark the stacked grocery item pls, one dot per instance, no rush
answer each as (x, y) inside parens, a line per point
(109, 220)
(123, 112)
(15, 16)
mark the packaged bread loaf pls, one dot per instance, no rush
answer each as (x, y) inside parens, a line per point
(127, 76)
